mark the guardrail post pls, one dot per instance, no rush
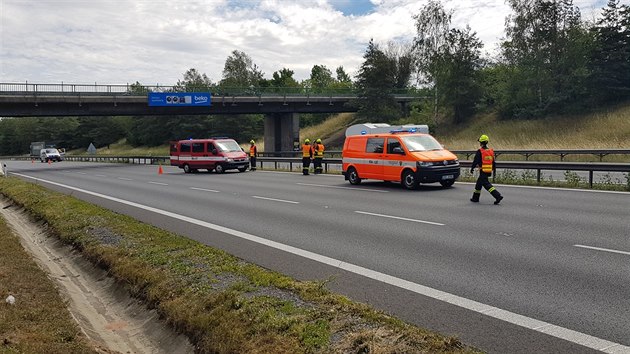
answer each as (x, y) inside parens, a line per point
(590, 179)
(538, 175)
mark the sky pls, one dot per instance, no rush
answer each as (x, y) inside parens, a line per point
(156, 42)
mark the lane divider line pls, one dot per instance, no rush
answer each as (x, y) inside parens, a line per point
(124, 178)
(338, 187)
(276, 200)
(100, 176)
(491, 311)
(603, 249)
(158, 183)
(204, 190)
(399, 218)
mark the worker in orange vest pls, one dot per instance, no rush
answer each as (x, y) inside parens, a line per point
(307, 155)
(318, 156)
(485, 159)
(252, 155)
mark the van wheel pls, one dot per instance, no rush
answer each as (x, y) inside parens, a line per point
(409, 180)
(219, 168)
(447, 184)
(187, 168)
(353, 176)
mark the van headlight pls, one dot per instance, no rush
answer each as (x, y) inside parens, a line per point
(423, 164)
(227, 159)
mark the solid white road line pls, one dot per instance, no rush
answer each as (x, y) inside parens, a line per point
(399, 218)
(158, 183)
(603, 249)
(204, 190)
(276, 200)
(552, 188)
(124, 178)
(511, 317)
(100, 176)
(338, 187)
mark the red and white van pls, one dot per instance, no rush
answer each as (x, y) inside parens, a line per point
(219, 154)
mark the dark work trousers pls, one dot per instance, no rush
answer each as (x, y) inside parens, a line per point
(252, 163)
(317, 164)
(483, 181)
(306, 163)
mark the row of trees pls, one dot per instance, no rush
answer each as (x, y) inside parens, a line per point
(550, 61)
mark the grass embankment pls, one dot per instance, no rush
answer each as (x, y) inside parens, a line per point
(222, 303)
(39, 321)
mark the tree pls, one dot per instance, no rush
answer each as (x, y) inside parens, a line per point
(194, 82)
(240, 72)
(432, 26)
(321, 78)
(460, 74)
(283, 81)
(375, 84)
(610, 59)
(547, 46)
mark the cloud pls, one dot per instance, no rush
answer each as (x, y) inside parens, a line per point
(119, 41)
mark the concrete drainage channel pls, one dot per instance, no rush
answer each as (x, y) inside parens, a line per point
(104, 310)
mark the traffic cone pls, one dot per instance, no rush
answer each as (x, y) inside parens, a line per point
(160, 170)
(32, 161)
(49, 162)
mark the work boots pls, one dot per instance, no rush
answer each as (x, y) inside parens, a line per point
(497, 196)
(475, 197)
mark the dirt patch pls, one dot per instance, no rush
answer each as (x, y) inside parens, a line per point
(104, 310)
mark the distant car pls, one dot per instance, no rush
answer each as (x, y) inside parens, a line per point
(49, 154)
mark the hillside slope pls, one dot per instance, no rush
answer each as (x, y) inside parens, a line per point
(607, 129)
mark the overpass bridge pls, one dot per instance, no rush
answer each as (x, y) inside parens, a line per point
(281, 106)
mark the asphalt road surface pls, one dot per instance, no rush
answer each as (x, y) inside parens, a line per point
(547, 271)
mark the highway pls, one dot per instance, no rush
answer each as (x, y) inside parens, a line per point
(547, 271)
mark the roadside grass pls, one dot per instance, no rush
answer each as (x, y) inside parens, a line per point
(224, 305)
(327, 128)
(39, 321)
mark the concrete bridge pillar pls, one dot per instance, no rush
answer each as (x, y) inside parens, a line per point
(282, 130)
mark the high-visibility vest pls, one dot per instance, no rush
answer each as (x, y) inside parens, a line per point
(319, 152)
(487, 157)
(307, 151)
(252, 150)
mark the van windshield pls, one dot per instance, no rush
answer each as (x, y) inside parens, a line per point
(228, 145)
(52, 151)
(421, 143)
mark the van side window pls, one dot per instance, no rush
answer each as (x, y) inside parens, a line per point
(173, 147)
(211, 147)
(197, 147)
(184, 147)
(393, 144)
(375, 145)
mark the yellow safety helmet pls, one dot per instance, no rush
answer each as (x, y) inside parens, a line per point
(306, 141)
(252, 142)
(483, 138)
(318, 141)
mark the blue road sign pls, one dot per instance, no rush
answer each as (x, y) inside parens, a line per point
(179, 99)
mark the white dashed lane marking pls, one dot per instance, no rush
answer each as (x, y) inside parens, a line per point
(338, 187)
(399, 218)
(275, 200)
(158, 183)
(603, 249)
(204, 190)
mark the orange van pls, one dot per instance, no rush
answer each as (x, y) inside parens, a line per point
(403, 156)
(218, 154)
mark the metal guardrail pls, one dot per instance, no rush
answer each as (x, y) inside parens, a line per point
(328, 163)
(600, 153)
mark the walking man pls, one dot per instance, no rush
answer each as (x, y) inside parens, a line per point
(318, 152)
(252, 155)
(485, 159)
(307, 155)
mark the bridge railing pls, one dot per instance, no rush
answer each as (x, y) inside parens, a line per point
(335, 164)
(23, 88)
